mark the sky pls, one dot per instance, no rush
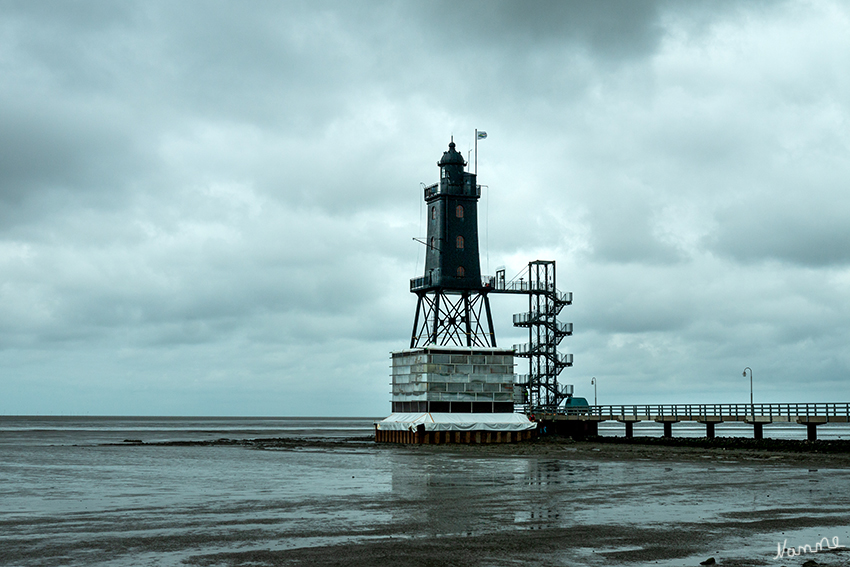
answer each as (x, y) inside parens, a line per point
(209, 208)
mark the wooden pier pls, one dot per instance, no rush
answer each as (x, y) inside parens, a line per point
(585, 420)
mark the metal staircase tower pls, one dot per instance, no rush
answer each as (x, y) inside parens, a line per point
(545, 333)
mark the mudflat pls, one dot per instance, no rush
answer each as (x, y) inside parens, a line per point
(655, 501)
(266, 502)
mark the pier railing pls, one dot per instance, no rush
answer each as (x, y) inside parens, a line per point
(695, 412)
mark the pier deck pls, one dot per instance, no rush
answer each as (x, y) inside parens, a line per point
(809, 414)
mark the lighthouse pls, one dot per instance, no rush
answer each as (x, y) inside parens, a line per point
(453, 384)
(451, 259)
(453, 308)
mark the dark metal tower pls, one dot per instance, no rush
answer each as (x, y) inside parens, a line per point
(545, 332)
(452, 308)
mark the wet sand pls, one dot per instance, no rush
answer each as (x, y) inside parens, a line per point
(268, 502)
(634, 542)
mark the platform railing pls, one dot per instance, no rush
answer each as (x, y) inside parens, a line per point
(437, 189)
(526, 318)
(487, 282)
(535, 348)
(565, 328)
(565, 297)
(420, 282)
(533, 317)
(524, 286)
(697, 411)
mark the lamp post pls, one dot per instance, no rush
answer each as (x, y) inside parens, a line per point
(593, 381)
(752, 407)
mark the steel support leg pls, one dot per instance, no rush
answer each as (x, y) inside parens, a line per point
(416, 321)
(433, 339)
(489, 321)
(466, 315)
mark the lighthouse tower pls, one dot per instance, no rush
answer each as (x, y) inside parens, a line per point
(453, 384)
(452, 308)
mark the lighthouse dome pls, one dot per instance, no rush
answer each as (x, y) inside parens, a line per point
(451, 157)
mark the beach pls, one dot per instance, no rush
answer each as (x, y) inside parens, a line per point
(240, 501)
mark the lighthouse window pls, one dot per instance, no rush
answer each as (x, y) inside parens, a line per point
(433, 212)
(433, 243)
(460, 272)
(459, 242)
(459, 211)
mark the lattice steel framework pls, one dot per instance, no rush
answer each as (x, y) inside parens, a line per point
(453, 319)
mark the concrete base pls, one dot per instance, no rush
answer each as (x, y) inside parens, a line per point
(437, 428)
(453, 380)
(421, 436)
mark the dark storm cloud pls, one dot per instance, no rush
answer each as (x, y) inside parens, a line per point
(610, 28)
(141, 82)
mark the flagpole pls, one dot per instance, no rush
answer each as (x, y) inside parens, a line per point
(476, 151)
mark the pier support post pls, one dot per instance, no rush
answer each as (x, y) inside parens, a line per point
(758, 431)
(668, 424)
(709, 430)
(811, 422)
(630, 429)
(812, 431)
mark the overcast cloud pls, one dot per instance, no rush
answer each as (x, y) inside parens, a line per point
(209, 208)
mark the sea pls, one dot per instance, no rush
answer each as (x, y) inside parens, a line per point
(81, 431)
(85, 491)
(88, 430)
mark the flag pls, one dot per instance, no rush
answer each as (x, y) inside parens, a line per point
(481, 134)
